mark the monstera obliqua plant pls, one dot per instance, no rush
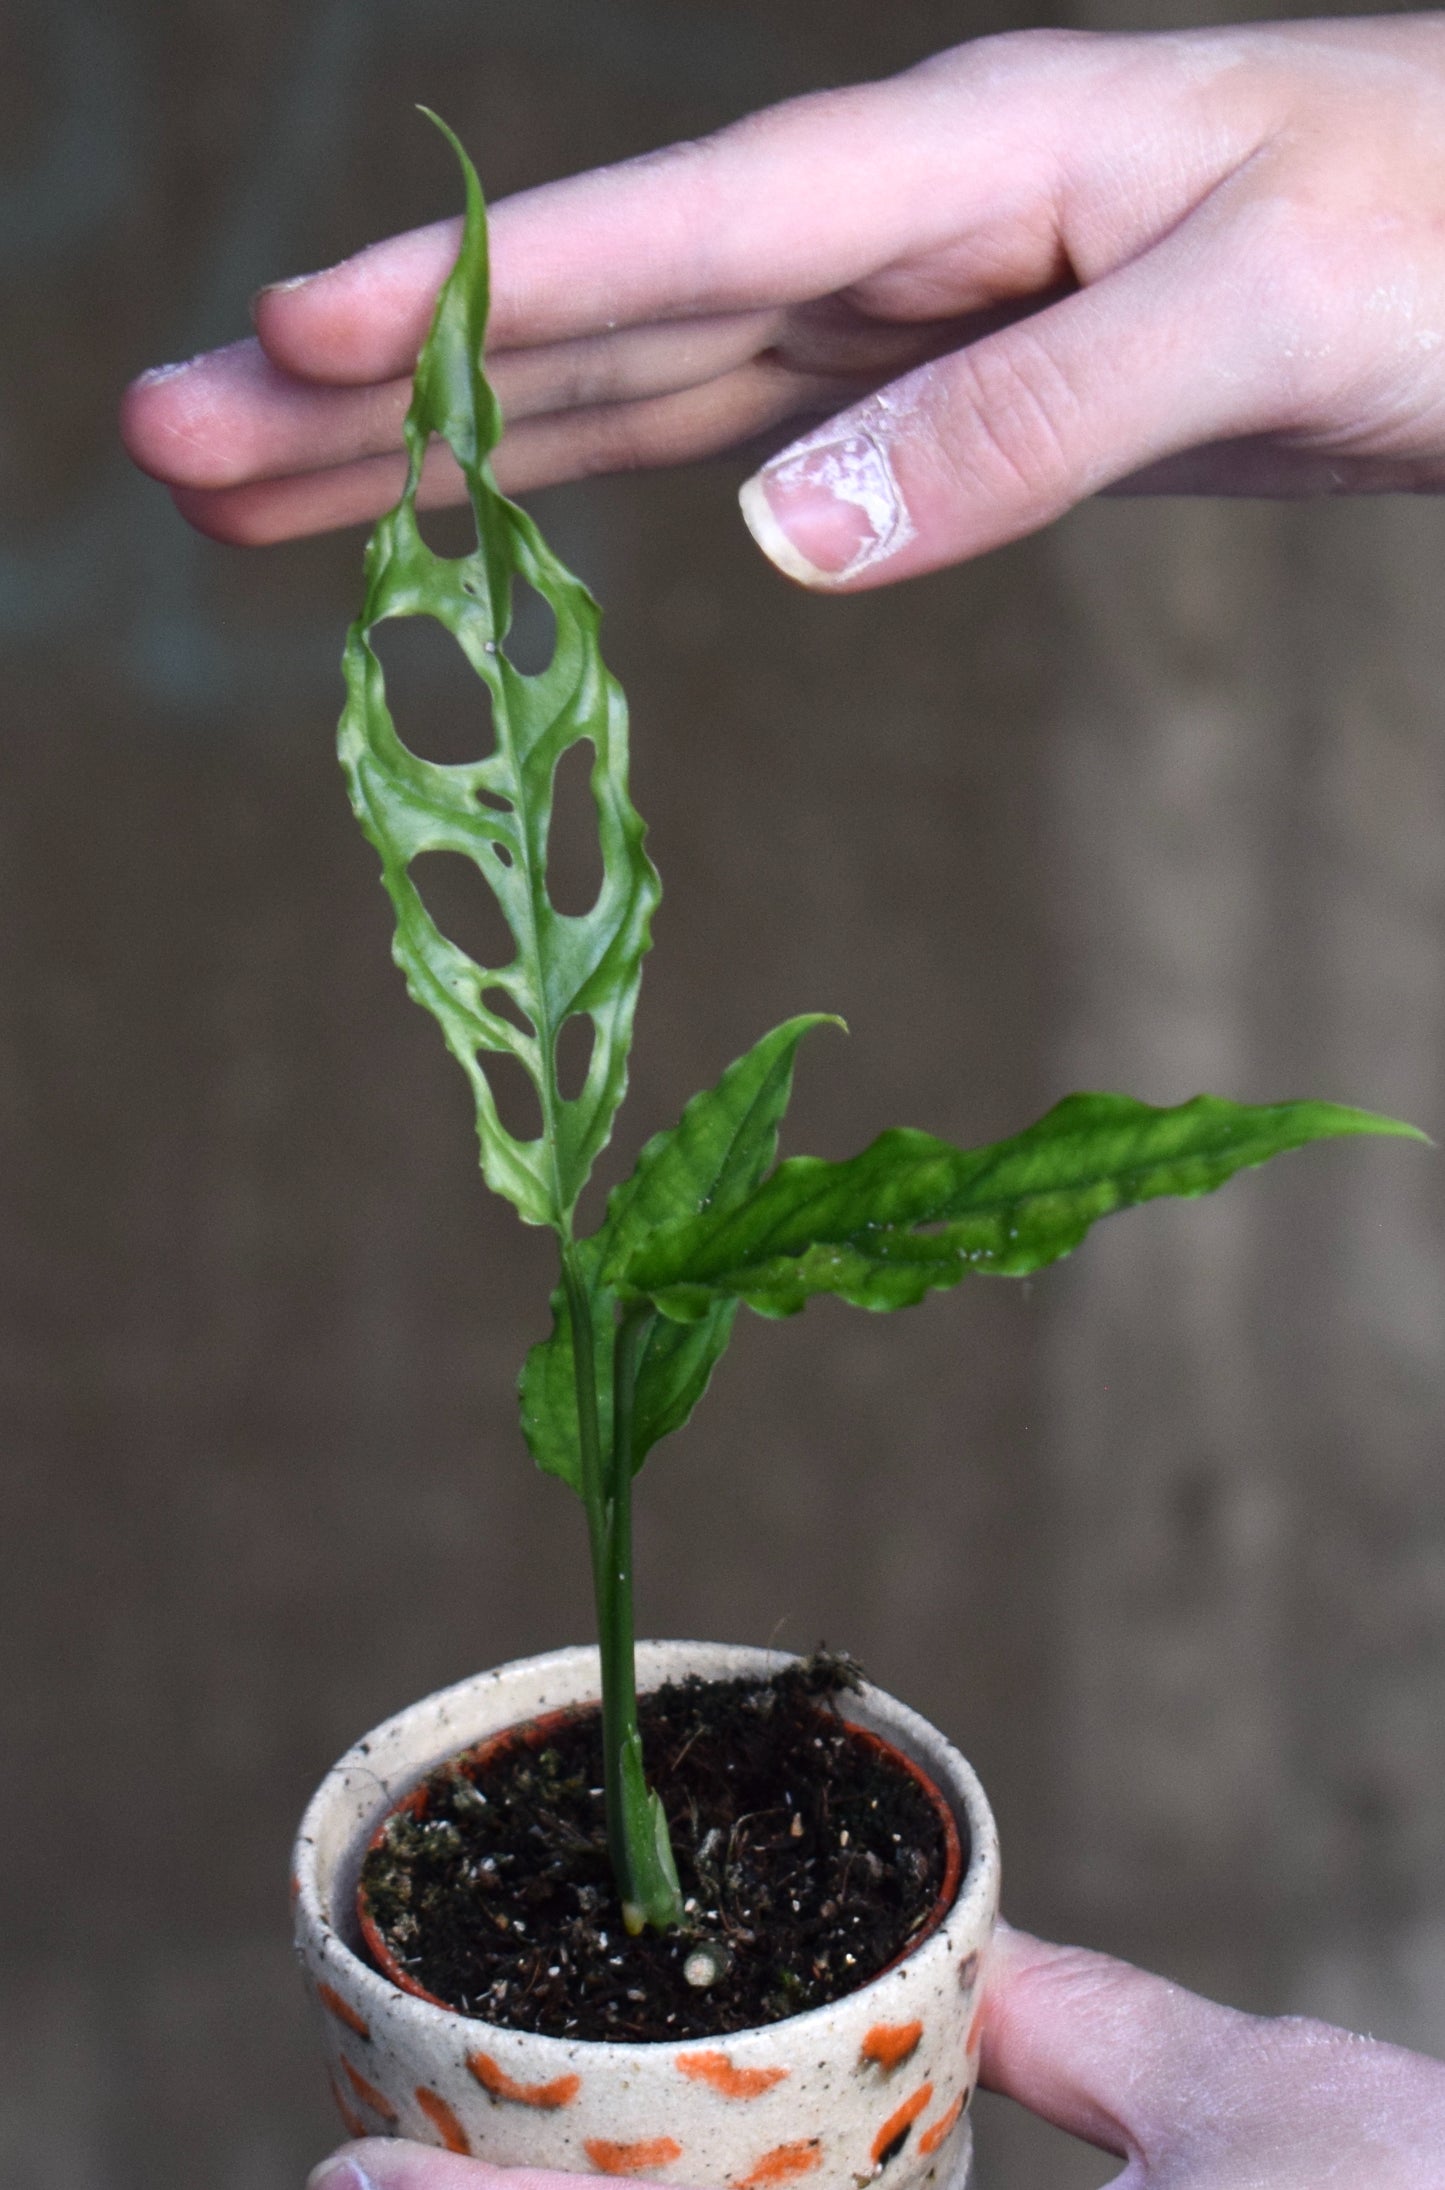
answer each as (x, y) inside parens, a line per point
(708, 1220)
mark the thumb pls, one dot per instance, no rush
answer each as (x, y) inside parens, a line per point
(1192, 2092)
(1103, 2050)
(980, 447)
(392, 2163)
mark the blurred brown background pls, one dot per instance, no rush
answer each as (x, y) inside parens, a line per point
(1156, 801)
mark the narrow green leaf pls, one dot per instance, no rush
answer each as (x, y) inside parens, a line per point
(911, 1214)
(720, 1148)
(496, 811)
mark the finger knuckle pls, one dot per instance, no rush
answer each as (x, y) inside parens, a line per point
(1011, 421)
(989, 63)
(1303, 284)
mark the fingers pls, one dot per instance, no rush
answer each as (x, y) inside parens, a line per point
(654, 311)
(234, 416)
(620, 285)
(797, 202)
(533, 453)
(390, 2163)
(979, 448)
(262, 513)
(365, 319)
(849, 212)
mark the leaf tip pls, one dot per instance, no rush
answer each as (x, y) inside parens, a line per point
(1375, 1121)
(468, 170)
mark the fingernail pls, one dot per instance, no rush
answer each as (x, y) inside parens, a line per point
(292, 281)
(158, 373)
(284, 288)
(827, 508)
(339, 2173)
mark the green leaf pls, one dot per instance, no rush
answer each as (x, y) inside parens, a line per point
(496, 811)
(720, 1148)
(911, 1214)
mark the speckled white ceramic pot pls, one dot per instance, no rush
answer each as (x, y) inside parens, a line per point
(876, 2085)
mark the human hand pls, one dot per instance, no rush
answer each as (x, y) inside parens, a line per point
(1191, 2095)
(1049, 265)
(1200, 2097)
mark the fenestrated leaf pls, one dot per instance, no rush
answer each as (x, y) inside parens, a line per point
(911, 1214)
(720, 1148)
(496, 811)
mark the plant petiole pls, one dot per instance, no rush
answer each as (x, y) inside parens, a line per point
(636, 1822)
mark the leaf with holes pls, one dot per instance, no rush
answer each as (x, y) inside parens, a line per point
(912, 1214)
(496, 811)
(720, 1148)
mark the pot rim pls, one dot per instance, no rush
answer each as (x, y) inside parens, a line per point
(964, 1794)
(535, 1729)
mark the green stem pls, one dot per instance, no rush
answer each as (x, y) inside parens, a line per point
(619, 1671)
(636, 1823)
(589, 1434)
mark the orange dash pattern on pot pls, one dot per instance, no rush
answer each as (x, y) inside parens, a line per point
(889, 2045)
(368, 2093)
(344, 2012)
(931, 2138)
(785, 2163)
(729, 2082)
(351, 2121)
(892, 2137)
(443, 2120)
(631, 2159)
(493, 2078)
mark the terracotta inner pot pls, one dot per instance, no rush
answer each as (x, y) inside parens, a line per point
(533, 1733)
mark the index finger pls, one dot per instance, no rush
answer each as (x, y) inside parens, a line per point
(791, 204)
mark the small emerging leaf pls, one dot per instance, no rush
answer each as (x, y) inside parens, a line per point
(650, 1890)
(912, 1214)
(720, 1148)
(496, 811)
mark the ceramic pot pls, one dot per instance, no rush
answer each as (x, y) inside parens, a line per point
(873, 2086)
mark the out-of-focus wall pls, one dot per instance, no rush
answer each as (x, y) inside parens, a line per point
(1155, 801)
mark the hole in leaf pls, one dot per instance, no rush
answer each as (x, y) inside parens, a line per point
(455, 893)
(576, 1040)
(532, 636)
(505, 1005)
(574, 854)
(449, 532)
(503, 853)
(441, 707)
(495, 800)
(516, 1099)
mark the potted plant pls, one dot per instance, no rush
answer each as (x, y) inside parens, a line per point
(735, 1932)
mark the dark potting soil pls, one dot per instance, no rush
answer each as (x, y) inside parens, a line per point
(808, 1860)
